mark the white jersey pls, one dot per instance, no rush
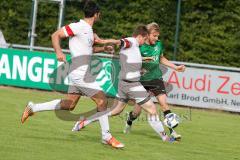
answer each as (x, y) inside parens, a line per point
(81, 48)
(81, 38)
(80, 45)
(130, 60)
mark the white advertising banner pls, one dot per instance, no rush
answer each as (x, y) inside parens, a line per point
(205, 88)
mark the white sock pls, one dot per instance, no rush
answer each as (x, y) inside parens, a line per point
(103, 120)
(156, 124)
(47, 106)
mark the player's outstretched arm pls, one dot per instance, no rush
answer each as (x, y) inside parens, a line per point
(98, 40)
(108, 41)
(107, 49)
(166, 62)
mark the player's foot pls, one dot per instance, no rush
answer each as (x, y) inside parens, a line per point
(113, 142)
(176, 136)
(27, 112)
(79, 125)
(171, 139)
(166, 138)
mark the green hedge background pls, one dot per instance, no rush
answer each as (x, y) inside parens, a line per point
(209, 29)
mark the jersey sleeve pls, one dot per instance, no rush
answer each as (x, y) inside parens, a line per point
(125, 43)
(71, 29)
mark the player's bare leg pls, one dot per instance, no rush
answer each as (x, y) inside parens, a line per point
(116, 109)
(68, 103)
(131, 116)
(107, 138)
(154, 121)
(137, 111)
(101, 102)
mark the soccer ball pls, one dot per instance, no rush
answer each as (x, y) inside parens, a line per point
(171, 120)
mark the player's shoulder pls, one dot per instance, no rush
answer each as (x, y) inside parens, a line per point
(74, 25)
(80, 23)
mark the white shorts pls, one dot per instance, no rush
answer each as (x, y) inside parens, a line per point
(132, 90)
(82, 84)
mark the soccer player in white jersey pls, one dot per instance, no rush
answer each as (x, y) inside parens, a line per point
(81, 47)
(129, 86)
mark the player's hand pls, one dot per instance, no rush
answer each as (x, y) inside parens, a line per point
(109, 49)
(180, 68)
(143, 71)
(61, 57)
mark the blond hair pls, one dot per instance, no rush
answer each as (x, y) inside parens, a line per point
(153, 27)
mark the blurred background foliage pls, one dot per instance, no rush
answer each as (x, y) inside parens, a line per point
(209, 29)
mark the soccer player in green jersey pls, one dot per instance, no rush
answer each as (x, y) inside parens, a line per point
(151, 79)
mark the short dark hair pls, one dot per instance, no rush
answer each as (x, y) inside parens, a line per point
(140, 30)
(90, 8)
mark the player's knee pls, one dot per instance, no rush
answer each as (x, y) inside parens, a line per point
(102, 104)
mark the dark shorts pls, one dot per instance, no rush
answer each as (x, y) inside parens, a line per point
(155, 86)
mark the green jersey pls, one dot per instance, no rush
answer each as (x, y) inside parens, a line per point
(151, 69)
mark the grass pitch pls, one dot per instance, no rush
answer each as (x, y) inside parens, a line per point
(210, 135)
